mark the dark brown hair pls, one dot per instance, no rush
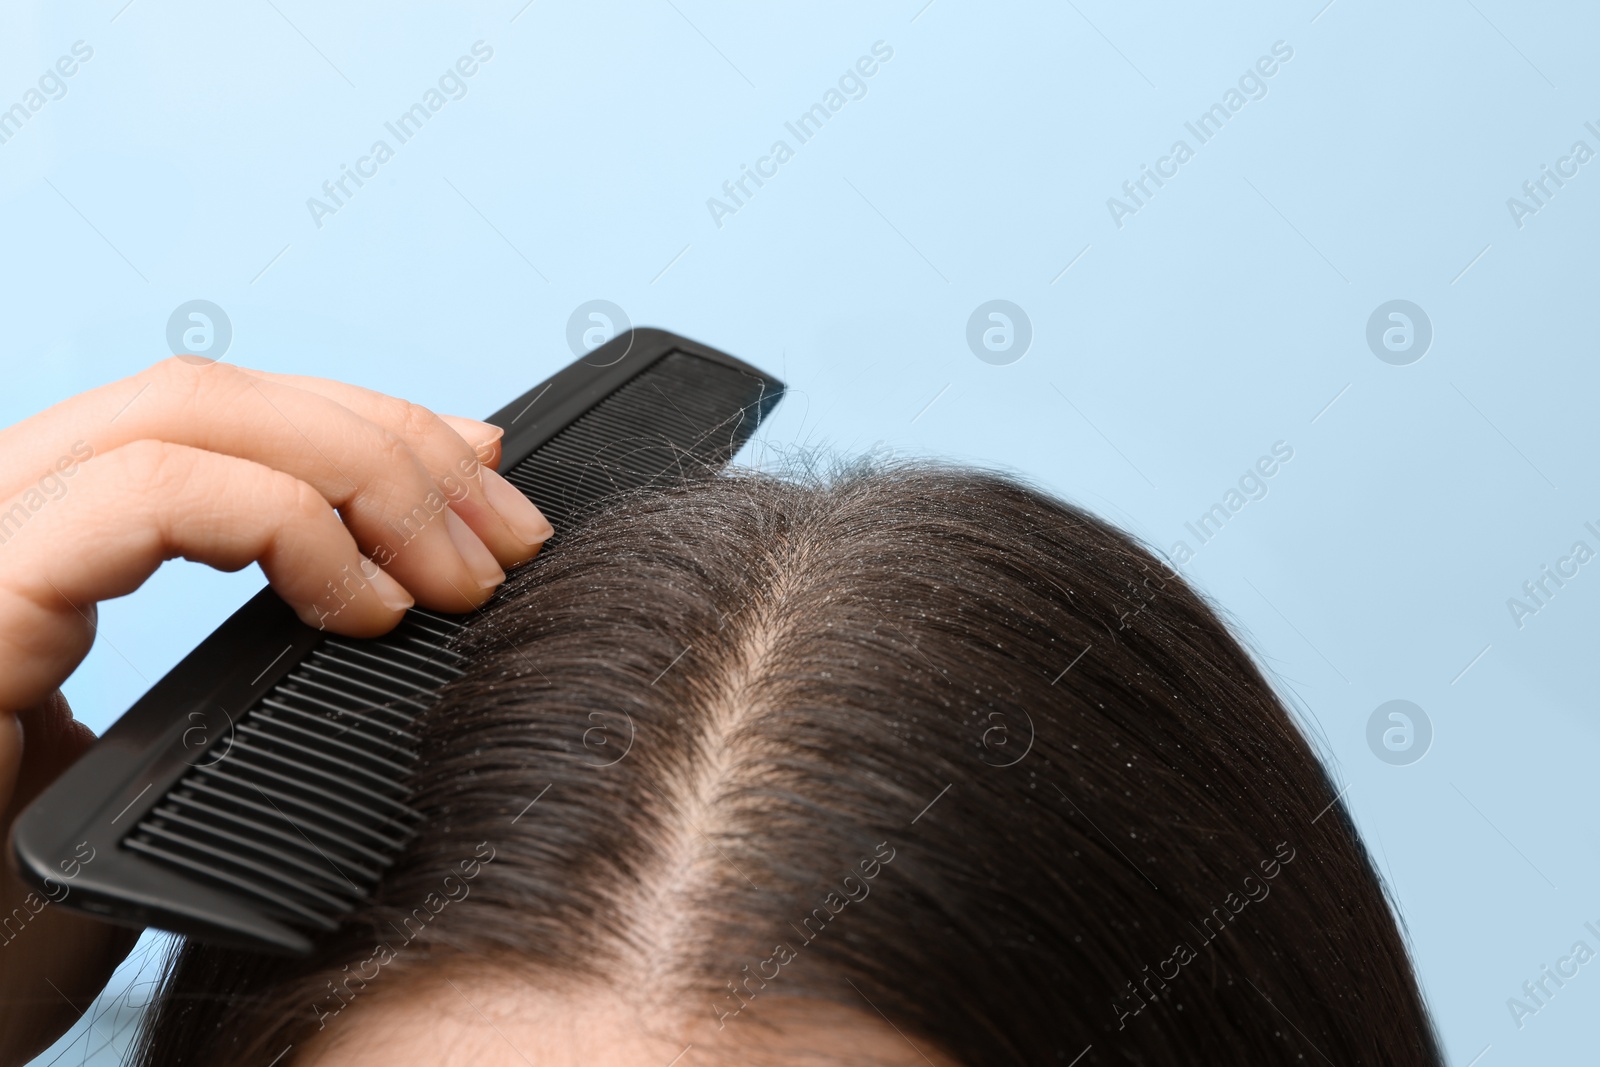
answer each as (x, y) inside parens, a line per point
(920, 728)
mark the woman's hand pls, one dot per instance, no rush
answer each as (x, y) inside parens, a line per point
(355, 504)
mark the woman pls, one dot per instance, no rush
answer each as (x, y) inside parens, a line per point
(907, 765)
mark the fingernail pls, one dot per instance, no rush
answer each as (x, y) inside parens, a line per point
(487, 433)
(480, 561)
(391, 592)
(524, 519)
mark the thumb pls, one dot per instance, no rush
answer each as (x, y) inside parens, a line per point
(55, 960)
(36, 745)
(10, 761)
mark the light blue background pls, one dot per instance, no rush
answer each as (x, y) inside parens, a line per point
(1228, 314)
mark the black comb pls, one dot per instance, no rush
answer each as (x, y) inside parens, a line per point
(256, 793)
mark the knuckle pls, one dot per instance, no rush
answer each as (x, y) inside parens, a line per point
(193, 383)
(394, 450)
(454, 464)
(169, 375)
(151, 466)
(301, 499)
(417, 421)
(162, 369)
(400, 477)
(220, 377)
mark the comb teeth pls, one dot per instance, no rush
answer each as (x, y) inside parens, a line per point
(284, 820)
(306, 804)
(685, 403)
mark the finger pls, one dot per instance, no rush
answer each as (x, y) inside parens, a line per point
(455, 450)
(55, 959)
(10, 756)
(383, 490)
(150, 501)
(482, 437)
(54, 740)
